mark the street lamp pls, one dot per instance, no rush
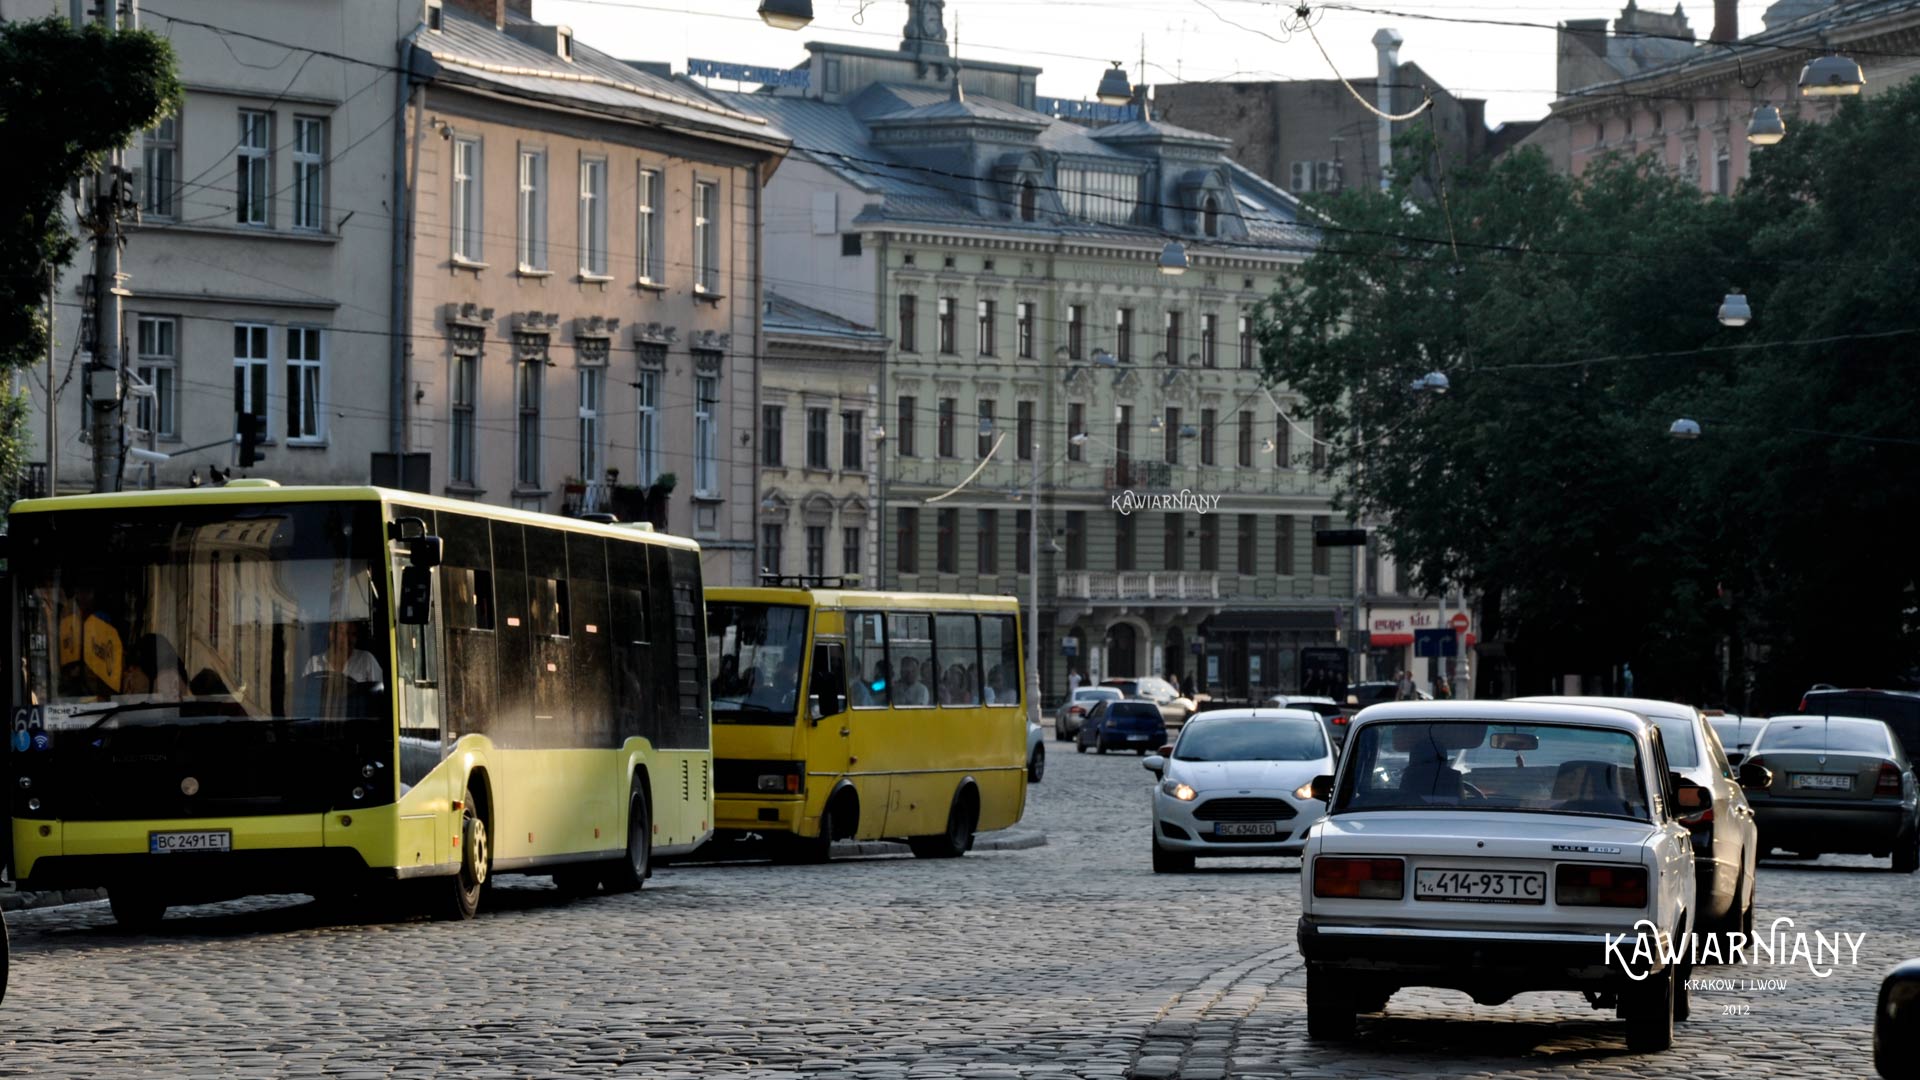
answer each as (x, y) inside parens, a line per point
(1734, 310)
(1831, 76)
(786, 14)
(1766, 127)
(1114, 88)
(1078, 438)
(1685, 429)
(1433, 382)
(1156, 426)
(1173, 259)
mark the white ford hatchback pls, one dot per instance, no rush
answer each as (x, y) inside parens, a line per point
(1497, 848)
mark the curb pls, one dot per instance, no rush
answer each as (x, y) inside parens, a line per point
(1002, 840)
(14, 900)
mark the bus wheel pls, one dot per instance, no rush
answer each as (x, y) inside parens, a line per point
(460, 898)
(958, 839)
(135, 909)
(808, 850)
(630, 873)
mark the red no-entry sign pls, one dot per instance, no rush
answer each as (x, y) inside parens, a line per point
(1459, 622)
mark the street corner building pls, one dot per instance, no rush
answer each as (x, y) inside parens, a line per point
(1037, 359)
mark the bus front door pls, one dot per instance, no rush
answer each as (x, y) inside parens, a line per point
(846, 741)
(424, 829)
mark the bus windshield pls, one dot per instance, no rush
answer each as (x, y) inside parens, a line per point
(754, 652)
(162, 616)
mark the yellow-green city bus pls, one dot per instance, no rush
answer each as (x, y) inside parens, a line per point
(911, 723)
(255, 689)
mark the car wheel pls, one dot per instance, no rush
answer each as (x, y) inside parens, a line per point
(136, 909)
(1648, 1008)
(1079, 746)
(1061, 734)
(1037, 765)
(1170, 862)
(1330, 1005)
(1099, 746)
(1372, 999)
(1746, 916)
(1906, 856)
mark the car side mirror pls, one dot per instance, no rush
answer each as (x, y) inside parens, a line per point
(1321, 789)
(1154, 764)
(1167, 750)
(1755, 777)
(1691, 797)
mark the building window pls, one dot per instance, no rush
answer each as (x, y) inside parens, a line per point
(254, 189)
(653, 247)
(532, 384)
(817, 439)
(1029, 201)
(1282, 443)
(1209, 334)
(647, 454)
(906, 542)
(770, 544)
(1123, 335)
(1283, 545)
(987, 541)
(1722, 172)
(1077, 539)
(1100, 194)
(706, 437)
(1172, 430)
(533, 210)
(467, 224)
(1209, 420)
(1319, 442)
(1174, 542)
(903, 420)
(1023, 541)
(460, 409)
(1173, 338)
(309, 172)
(1245, 456)
(157, 357)
(946, 318)
(1023, 329)
(160, 168)
(1126, 545)
(1123, 439)
(1210, 543)
(251, 351)
(1210, 217)
(986, 327)
(593, 218)
(1249, 526)
(849, 244)
(1076, 425)
(945, 440)
(306, 359)
(706, 238)
(850, 550)
(816, 551)
(1322, 557)
(852, 439)
(1077, 332)
(1373, 567)
(985, 417)
(593, 392)
(946, 555)
(908, 341)
(1023, 430)
(1246, 341)
(770, 425)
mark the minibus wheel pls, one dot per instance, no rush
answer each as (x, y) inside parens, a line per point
(631, 872)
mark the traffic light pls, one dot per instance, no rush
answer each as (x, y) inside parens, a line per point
(252, 429)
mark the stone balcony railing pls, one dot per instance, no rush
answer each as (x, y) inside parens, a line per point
(1146, 585)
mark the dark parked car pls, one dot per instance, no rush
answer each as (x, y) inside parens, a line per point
(1836, 785)
(1896, 1023)
(1899, 708)
(1123, 725)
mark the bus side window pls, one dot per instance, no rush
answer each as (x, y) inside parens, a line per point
(827, 691)
(1000, 649)
(867, 657)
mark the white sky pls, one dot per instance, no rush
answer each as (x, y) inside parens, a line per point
(1191, 40)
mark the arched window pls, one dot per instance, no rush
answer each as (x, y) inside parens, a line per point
(1210, 217)
(1029, 208)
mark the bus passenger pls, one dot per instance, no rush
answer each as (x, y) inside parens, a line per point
(873, 691)
(976, 687)
(343, 656)
(910, 691)
(157, 670)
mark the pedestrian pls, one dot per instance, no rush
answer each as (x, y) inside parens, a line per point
(1403, 686)
(1444, 690)
(1073, 681)
(1626, 679)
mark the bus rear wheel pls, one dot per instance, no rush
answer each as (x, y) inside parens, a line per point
(135, 908)
(958, 839)
(460, 896)
(630, 873)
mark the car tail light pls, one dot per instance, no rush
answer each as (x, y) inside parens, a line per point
(1600, 886)
(1340, 720)
(1889, 780)
(1359, 879)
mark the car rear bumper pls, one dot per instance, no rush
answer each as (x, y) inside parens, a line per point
(1831, 826)
(1516, 960)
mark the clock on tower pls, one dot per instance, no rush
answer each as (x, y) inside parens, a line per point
(926, 30)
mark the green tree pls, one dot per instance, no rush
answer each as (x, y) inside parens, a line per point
(67, 97)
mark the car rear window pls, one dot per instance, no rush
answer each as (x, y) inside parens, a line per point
(1825, 733)
(1470, 765)
(1098, 693)
(1137, 710)
(1122, 687)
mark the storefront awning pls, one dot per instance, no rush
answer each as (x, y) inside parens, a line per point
(1387, 641)
(1270, 619)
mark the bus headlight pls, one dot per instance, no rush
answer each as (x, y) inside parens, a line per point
(366, 771)
(33, 804)
(359, 793)
(788, 783)
(26, 782)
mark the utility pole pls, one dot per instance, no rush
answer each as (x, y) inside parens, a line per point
(112, 202)
(1033, 587)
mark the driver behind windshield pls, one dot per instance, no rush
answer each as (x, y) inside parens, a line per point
(343, 656)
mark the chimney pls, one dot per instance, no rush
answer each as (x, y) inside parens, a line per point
(494, 11)
(1726, 20)
(1386, 43)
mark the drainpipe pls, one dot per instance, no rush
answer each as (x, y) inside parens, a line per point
(401, 293)
(1387, 43)
(759, 372)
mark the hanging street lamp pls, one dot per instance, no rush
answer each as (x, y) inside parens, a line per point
(1734, 310)
(1831, 76)
(1766, 127)
(1685, 429)
(1173, 259)
(1114, 88)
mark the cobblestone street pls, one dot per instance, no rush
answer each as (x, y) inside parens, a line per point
(1065, 960)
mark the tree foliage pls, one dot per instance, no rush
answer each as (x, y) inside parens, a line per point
(66, 97)
(1574, 319)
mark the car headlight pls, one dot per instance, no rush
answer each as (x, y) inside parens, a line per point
(1178, 790)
